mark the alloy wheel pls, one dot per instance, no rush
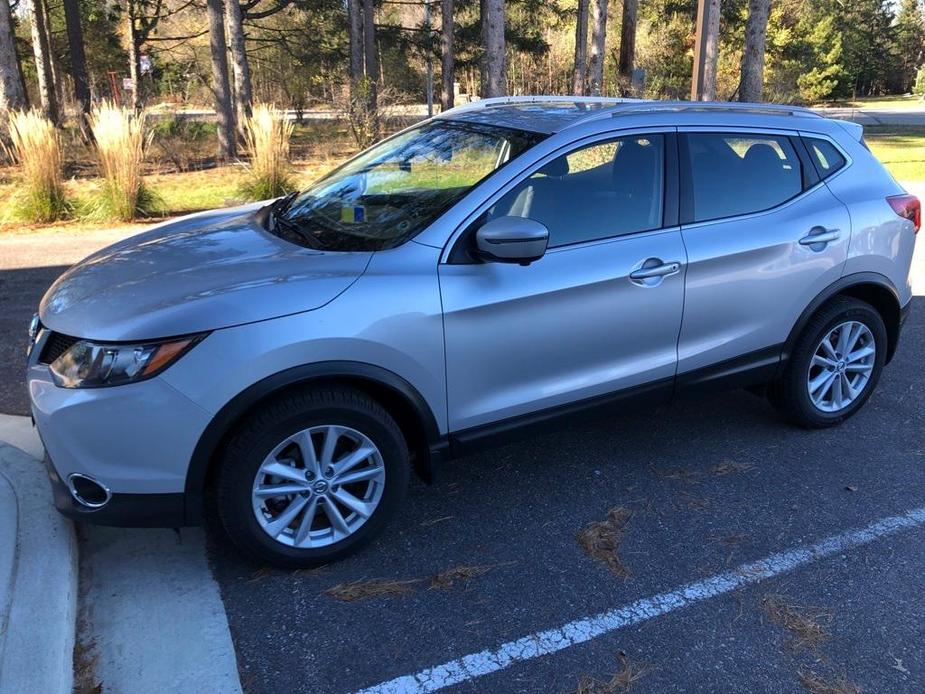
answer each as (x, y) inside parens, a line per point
(841, 366)
(318, 486)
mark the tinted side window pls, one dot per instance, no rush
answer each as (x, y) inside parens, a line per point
(595, 192)
(734, 174)
(825, 156)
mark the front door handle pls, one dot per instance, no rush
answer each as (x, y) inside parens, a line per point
(646, 273)
(818, 237)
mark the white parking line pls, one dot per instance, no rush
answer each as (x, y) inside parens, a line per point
(581, 630)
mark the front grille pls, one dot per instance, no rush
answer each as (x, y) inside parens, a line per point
(56, 345)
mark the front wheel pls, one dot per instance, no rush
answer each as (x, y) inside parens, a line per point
(835, 365)
(312, 477)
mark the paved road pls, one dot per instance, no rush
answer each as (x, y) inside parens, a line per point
(710, 484)
(881, 116)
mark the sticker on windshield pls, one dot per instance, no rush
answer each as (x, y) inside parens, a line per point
(352, 214)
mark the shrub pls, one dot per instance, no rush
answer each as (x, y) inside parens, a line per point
(266, 136)
(182, 141)
(36, 147)
(120, 144)
(919, 88)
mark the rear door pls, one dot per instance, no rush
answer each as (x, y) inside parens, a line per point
(764, 237)
(599, 313)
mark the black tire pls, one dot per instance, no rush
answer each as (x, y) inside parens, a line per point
(789, 393)
(258, 435)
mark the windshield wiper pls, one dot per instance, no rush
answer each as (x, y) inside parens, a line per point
(278, 207)
(294, 227)
(276, 219)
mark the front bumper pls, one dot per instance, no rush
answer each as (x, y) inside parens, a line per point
(122, 510)
(136, 440)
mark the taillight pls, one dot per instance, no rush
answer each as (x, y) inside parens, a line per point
(907, 206)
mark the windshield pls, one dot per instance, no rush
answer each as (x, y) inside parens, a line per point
(391, 192)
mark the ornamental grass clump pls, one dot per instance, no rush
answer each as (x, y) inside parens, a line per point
(266, 136)
(36, 146)
(121, 142)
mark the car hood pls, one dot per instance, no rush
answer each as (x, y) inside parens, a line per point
(197, 273)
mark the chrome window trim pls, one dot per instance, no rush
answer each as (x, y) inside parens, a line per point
(849, 160)
(769, 210)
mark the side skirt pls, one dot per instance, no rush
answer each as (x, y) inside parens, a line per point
(753, 369)
(486, 436)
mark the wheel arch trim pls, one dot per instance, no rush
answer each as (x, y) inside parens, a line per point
(842, 286)
(211, 438)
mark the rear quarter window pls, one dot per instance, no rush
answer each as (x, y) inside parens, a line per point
(826, 157)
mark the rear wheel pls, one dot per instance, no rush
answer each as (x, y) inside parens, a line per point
(835, 365)
(312, 477)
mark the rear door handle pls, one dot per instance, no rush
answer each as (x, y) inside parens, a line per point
(662, 270)
(820, 236)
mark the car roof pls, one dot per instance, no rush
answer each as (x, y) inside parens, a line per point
(551, 114)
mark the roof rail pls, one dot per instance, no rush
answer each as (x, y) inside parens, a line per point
(730, 106)
(543, 99)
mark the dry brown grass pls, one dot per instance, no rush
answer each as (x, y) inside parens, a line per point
(36, 147)
(621, 681)
(373, 588)
(120, 145)
(267, 137)
(807, 626)
(458, 574)
(678, 474)
(815, 684)
(728, 468)
(434, 521)
(601, 540)
(692, 502)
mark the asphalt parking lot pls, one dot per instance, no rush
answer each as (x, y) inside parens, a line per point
(490, 555)
(710, 485)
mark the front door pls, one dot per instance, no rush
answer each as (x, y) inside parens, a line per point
(600, 312)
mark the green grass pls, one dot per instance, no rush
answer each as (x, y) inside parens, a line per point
(901, 149)
(898, 101)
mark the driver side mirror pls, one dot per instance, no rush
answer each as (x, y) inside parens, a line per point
(511, 240)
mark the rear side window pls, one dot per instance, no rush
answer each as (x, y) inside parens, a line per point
(825, 155)
(736, 174)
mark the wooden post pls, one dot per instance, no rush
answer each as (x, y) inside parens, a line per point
(700, 45)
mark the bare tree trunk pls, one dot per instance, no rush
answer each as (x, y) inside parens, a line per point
(56, 78)
(355, 35)
(40, 48)
(134, 56)
(12, 94)
(711, 51)
(371, 57)
(448, 55)
(751, 83)
(628, 39)
(243, 97)
(598, 42)
(221, 89)
(493, 81)
(75, 41)
(580, 65)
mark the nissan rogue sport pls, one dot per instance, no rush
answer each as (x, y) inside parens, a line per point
(504, 264)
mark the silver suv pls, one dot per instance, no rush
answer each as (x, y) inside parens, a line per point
(504, 264)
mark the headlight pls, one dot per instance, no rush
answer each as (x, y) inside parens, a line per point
(93, 365)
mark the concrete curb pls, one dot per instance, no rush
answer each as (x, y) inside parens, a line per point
(38, 581)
